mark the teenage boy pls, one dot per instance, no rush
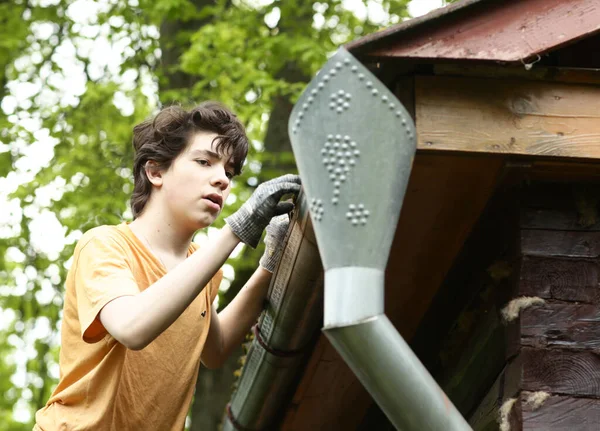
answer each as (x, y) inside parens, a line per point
(138, 315)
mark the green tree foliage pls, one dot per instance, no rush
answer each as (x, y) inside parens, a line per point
(75, 76)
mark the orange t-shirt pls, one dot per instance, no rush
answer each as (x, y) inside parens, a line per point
(103, 385)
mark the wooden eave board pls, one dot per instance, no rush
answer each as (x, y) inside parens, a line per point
(506, 116)
(505, 31)
(445, 196)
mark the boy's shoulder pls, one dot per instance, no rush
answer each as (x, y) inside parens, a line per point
(100, 233)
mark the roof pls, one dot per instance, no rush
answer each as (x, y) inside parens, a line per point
(485, 30)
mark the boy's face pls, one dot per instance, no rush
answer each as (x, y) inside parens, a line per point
(198, 182)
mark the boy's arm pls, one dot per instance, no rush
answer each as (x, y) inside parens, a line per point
(229, 327)
(136, 320)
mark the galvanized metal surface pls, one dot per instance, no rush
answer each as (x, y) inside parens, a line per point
(352, 295)
(394, 376)
(284, 332)
(354, 171)
(354, 145)
(507, 31)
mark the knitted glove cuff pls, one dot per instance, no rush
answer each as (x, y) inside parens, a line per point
(270, 258)
(274, 242)
(248, 233)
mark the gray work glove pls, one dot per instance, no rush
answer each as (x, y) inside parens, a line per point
(276, 231)
(254, 215)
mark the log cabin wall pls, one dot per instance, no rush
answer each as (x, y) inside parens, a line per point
(513, 335)
(553, 330)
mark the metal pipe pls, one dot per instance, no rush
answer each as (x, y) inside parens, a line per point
(284, 334)
(380, 357)
(354, 145)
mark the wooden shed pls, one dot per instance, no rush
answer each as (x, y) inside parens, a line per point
(494, 275)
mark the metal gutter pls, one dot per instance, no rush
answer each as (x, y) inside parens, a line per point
(284, 334)
(354, 145)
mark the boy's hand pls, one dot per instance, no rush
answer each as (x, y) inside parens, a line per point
(276, 231)
(254, 215)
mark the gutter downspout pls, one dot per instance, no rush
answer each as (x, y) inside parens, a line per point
(354, 145)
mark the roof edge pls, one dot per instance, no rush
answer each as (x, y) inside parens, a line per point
(361, 44)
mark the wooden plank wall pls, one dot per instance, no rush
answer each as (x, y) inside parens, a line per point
(552, 377)
(538, 244)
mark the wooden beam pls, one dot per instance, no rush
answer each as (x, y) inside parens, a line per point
(547, 74)
(508, 117)
(446, 195)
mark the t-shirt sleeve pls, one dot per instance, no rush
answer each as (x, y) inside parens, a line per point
(102, 274)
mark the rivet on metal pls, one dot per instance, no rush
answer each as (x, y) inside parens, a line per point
(338, 65)
(320, 85)
(357, 214)
(399, 114)
(338, 159)
(346, 61)
(332, 72)
(384, 98)
(354, 69)
(339, 101)
(361, 76)
(310, 99)
(374, 92)
(369, 84)
(392, 106)
(334, 201)
(316, 209)
(313, 91)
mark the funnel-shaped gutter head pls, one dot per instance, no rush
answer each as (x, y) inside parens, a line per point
(354, 144)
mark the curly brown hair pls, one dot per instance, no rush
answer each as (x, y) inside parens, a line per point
(164, 137)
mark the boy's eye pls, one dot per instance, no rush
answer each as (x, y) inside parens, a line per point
(229, 175)
(203, 162)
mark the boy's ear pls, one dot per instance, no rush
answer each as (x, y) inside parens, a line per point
(153, 172)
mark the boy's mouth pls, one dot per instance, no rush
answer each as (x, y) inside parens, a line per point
(214, 198)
